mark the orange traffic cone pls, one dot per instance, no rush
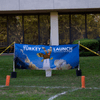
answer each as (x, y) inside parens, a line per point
(83, 81)
(7, 80)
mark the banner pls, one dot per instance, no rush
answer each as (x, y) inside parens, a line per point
(41, 57)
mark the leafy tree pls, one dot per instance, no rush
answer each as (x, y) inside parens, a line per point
(64, 36)
(44, 29)
(77, 26)
(36, 29)
(31, 29)
(93, 26)
(3, 30)
(15, 29)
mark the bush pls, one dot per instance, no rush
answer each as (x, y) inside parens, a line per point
(92, 44)
(99, 42)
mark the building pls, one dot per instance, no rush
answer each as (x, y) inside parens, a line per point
(46, 22)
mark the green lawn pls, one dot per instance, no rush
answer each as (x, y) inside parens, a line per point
(21, 87)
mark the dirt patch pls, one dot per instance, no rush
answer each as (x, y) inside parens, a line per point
(7, 54)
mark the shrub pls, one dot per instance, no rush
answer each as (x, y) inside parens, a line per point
(92, 44)
(99, 42)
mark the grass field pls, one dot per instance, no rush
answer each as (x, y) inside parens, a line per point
(63, 85)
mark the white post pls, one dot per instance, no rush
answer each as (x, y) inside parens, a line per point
(54, 31)
(13, 59)
(48, 73)
(54, 35)
(79, 58)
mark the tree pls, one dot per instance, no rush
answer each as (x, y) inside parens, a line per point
(15, 29)
(93, 26)
(36, 29)
(3, 31)
(64, 36)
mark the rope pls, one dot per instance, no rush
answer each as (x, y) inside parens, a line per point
(89, 49)
(7, 48)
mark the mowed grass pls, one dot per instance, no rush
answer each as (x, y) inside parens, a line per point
(90, 67)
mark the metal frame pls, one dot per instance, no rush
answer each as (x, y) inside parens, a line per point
(23, 24)
(23, 27)
(70, 27)
(59, 13)
(7, 35)
(85, 25)
(38, 29)
(70, 22)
